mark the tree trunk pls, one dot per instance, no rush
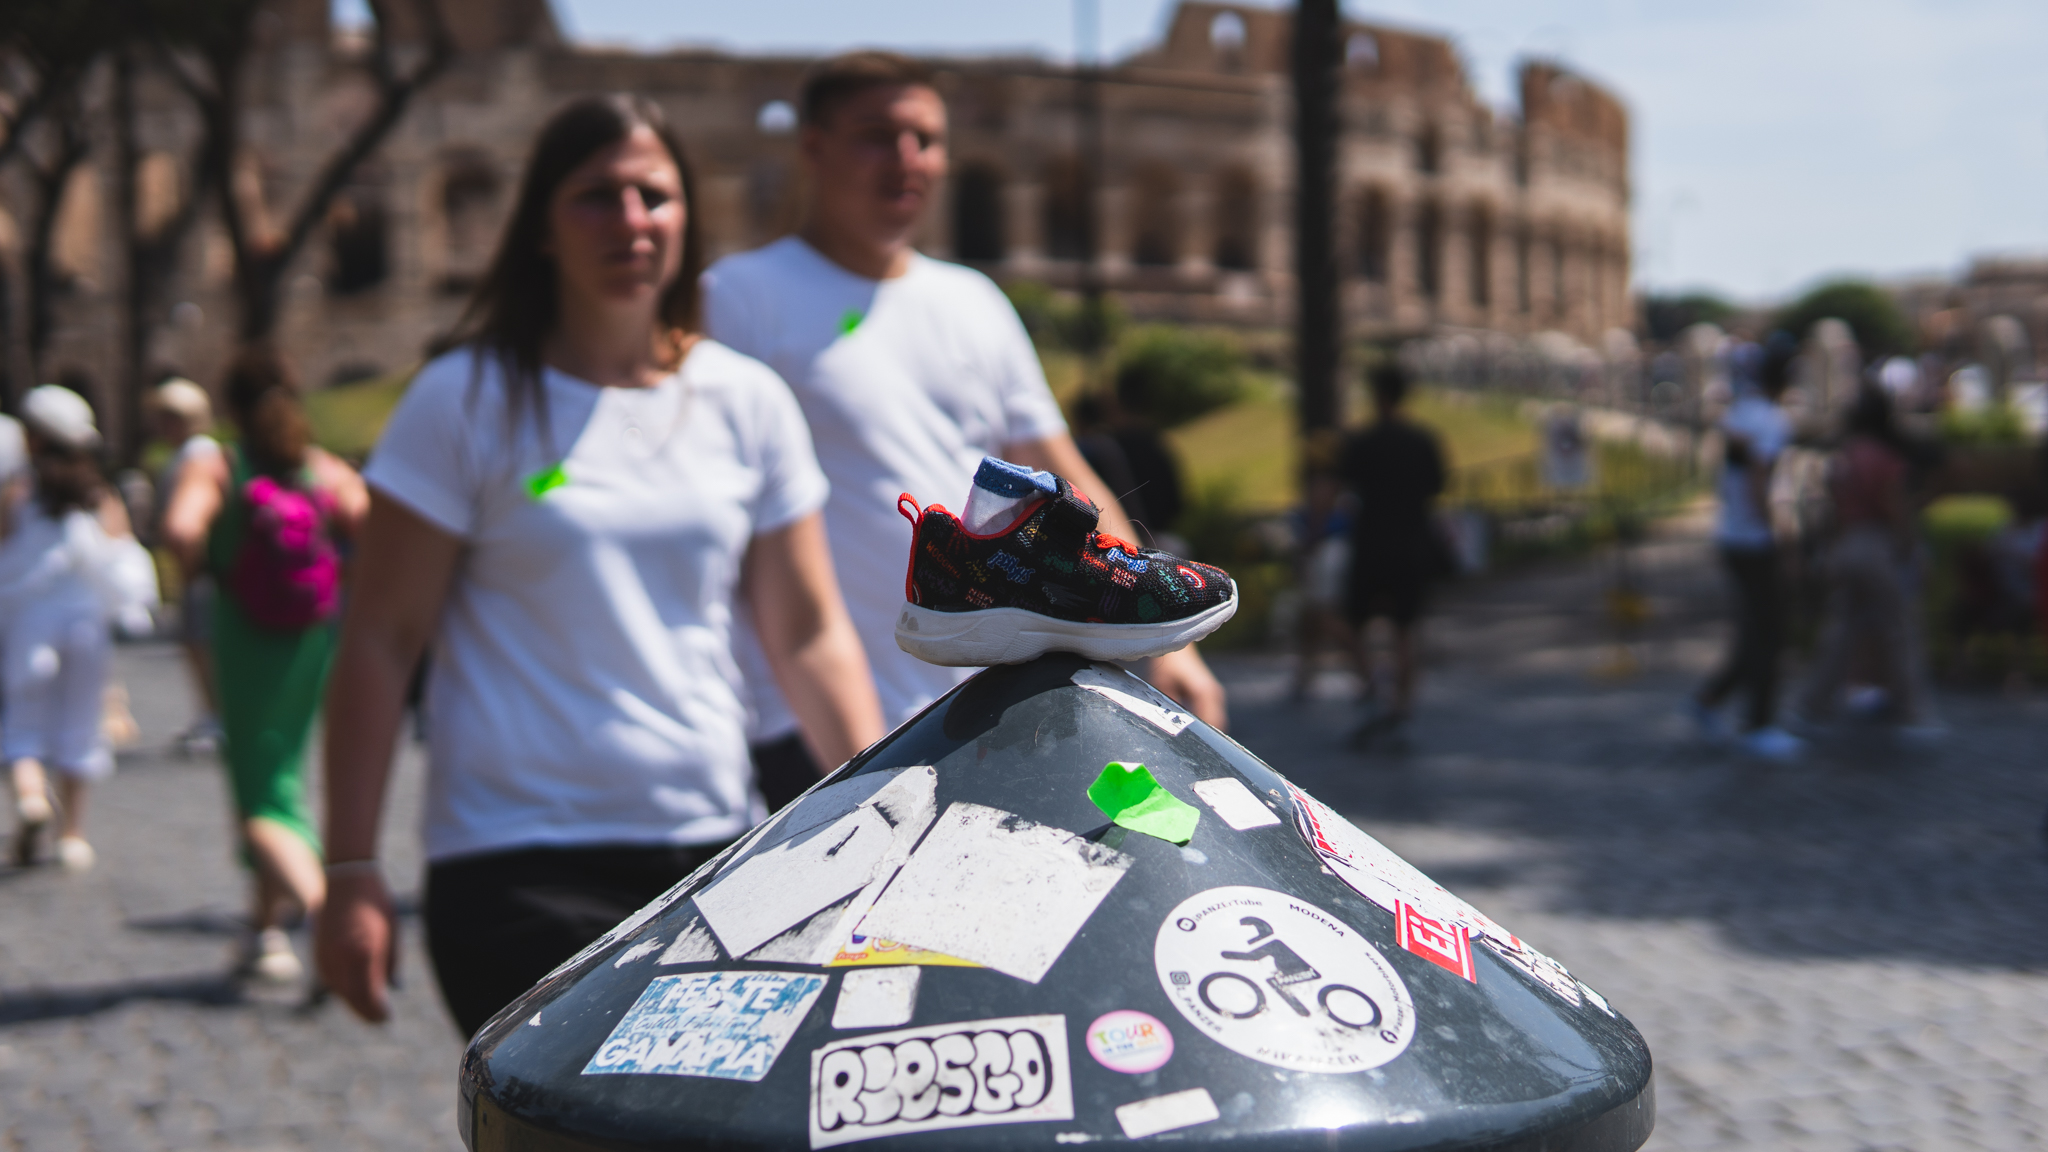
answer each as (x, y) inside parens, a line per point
(1319, 327)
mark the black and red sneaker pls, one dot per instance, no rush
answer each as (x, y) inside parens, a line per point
(1049, 583)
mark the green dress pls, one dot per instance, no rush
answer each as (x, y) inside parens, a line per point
(270, 683)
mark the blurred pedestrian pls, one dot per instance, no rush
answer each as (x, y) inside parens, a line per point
(69, 567)
(265, 518)
(569, 506)
(1868, 562)
(909, 371)
(1156, 496)
(181, 418)
(1755, 432)
(1394, 470)
(1322, 578)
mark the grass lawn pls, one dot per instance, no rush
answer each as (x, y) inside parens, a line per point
(1250, 446)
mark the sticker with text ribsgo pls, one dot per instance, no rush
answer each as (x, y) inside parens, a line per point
(1444, 943)
(726, 1025)
(1128, 1041)
(942, 1076)
(1282, 981)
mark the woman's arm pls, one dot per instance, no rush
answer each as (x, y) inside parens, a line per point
(345, 485)
(810, 642)
(402, 573)
(196, 498)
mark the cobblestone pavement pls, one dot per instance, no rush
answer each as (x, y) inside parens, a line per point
(1848, 954)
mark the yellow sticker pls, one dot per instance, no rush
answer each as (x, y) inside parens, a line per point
(866, 951)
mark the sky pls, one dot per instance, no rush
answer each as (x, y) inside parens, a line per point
(1776, 143)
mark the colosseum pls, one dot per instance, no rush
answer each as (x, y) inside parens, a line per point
(1454, 216)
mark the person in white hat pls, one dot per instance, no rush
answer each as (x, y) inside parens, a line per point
(69, 565)
(181, 415)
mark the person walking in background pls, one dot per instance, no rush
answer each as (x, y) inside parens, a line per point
(1394, 470)
(909, 370)
(1755, 431)
(1867, 566)
(181, 417)
(69, 566)
(569, 506)
(264, 519)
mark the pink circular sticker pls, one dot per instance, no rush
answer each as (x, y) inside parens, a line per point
(1127, 1041)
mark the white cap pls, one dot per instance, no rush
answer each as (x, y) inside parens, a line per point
(61, 415)
(183, 398)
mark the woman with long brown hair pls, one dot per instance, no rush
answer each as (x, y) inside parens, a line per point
(262, 519)
(566, 506)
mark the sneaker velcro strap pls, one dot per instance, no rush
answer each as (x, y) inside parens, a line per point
(1069, 519)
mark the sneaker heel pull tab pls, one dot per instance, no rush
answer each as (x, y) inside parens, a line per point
(915, 515)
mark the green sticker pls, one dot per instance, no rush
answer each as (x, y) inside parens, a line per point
(850, 321)
(546, 480)
(1131, 798)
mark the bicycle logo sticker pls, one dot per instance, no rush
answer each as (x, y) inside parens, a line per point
(1282, 981)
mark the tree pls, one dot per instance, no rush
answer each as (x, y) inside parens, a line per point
(208, 43)
(1880, 326)
(1664, 317)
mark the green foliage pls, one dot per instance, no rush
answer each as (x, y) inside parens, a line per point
(1881, 328)
(1956, 520)
(1995, 425)
(1667, 316)
(1172, 376)
(1062, 321)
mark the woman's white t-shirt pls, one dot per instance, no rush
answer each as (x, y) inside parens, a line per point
(582, 689)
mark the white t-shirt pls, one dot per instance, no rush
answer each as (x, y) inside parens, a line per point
(583, 689)
(1765, 428)
(907, 384)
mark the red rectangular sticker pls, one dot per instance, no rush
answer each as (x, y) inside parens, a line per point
(1440, 942)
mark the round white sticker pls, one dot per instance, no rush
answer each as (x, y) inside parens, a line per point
(1282, 981)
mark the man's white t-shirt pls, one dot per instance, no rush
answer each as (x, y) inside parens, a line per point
(583, 689)
(1766, 431)
(907, 384)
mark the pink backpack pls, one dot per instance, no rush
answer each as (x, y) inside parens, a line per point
(286, 574)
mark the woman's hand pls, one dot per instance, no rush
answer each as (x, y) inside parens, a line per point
(810, 642)
(355, 943)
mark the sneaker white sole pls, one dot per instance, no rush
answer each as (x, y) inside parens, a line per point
(1014, 635)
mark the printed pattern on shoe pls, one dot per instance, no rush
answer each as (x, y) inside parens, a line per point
(1053, 562)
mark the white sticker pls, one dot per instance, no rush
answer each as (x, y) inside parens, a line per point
(961, 1075)
(1372, 870)
(1229, 798)
(1117, 686)
(1282, 981)
(997, 889)
(1144, 1118)
(1543, 969)
(1597, 999)
(643, 948)
(726, 1025)
(876, 998)
(693, 946)
(780, 887)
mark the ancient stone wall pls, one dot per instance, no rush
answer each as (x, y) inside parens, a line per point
(1453, 216)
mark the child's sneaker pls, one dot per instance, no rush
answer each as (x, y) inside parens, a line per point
(1047, 582)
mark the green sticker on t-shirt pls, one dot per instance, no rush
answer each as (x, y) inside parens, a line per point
(546, 480)
(850, 321)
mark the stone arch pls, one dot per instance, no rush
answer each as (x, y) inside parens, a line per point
(1374, 247)
(1154, 215)
(771, 198)
(1479, 250)
(978, 218)
(1525, 259)
(1237, 220)
(1429, 149)
(358, 240)
(1362, 52)
(1066, 209)
(1429, 249)
(468, 204)
(1560, 297)
(1227, 34)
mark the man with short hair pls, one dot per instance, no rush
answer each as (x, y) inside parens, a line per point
(909, 370)
(1395, 470)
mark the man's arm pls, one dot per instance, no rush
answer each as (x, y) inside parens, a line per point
(1182, 675)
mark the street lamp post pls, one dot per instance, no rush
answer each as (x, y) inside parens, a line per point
(1318, 324)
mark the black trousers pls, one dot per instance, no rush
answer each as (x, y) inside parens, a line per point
(498, 922)
(1751, 665)
(783, 769)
